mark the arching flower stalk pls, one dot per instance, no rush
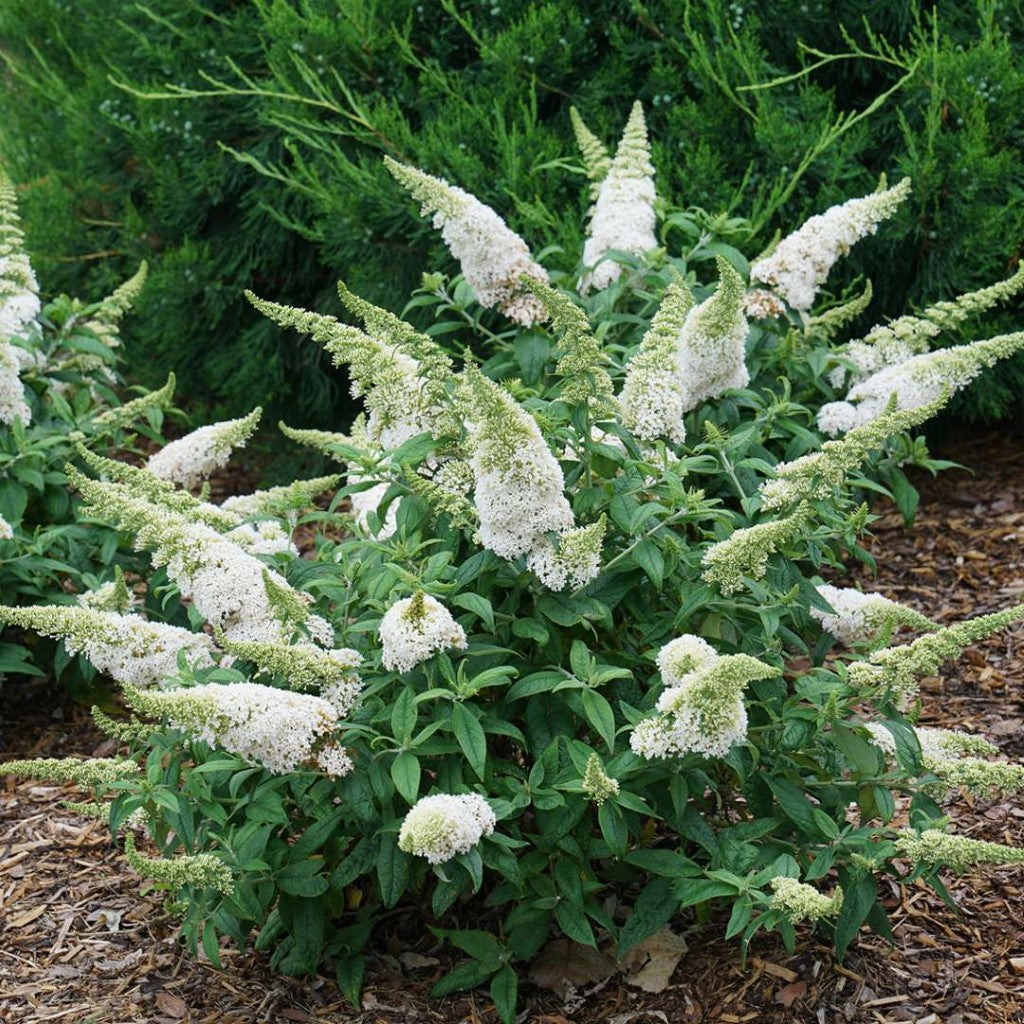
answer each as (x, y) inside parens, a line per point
(129, 649)
(192, 458)
(286, 501)
(19, 290)
(306, 666)
(87, 773)
(957, 759)
(199, 870)
(582, 365)
(818, 475)
(745, 552)
(864, 618)
(919, 381)
(282, 730)
(105, 321)
(494, 258)
(130, 412)
(800, 263)
(623, 217)
(229, 587)
(896, 670)
(933, 847)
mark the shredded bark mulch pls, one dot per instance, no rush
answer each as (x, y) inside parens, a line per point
(80, 944)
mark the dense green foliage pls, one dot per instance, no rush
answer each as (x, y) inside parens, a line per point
(307, 97)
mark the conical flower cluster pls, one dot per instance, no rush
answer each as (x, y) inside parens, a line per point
(414, 629)
(654, 394)
(519, 489)
(712, 344)
(19, 305)
(623, 219)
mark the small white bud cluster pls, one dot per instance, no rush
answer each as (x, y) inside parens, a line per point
(442, 826)
(801, 262)
(192, 458)
(415, 629)
(802, 902)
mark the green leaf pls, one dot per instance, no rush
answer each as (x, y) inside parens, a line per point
(573, 922)
(480, 945)
(858, 899)
(304, 920)
(349, 974)
(531, 350)
(504, 992)
(651, 912)
(600, 715)
(579, 659)
(405, 773)
(648, 556)
(470, 736)
(689, 891)
(613, 827)
(465, 976)
(392, 870)
(404, 714)
(302, 878)
(794, 803)
(478, 605)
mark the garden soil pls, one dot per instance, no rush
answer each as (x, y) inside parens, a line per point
(79, 943)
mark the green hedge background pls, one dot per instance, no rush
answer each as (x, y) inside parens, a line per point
(267, 174)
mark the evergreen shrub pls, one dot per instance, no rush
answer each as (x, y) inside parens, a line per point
(260, 166)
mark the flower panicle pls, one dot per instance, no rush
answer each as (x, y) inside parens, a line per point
(623, 217)
(654, 393)
(89, 772)
(198, 870)
(896, 670)
(494, 258)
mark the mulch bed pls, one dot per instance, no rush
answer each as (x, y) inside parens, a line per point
(80, 944)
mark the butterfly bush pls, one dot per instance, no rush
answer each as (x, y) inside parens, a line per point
(560, 633)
